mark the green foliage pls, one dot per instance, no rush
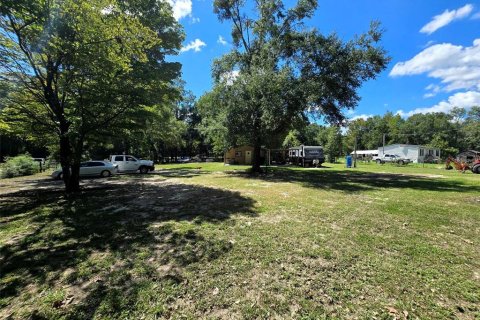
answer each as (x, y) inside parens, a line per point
(187, 112)
(213, 124)
(450, 132)
(470, 129)
(278, 71)
(310, 134)
(291, 140)
(333, 147)
(79, 67)
(22, 165)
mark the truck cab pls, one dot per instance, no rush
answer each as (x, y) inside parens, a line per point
(391, 158)
(128, 163)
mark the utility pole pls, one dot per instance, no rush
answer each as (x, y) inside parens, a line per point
(383, 149)
(355, 152)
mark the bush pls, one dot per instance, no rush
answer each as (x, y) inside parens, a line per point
(22, 165)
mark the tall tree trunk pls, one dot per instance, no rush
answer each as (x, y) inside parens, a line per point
(74, 183)
(77, 158)
(65, 154)
(257, 161)
(70, 161)
(257, 143)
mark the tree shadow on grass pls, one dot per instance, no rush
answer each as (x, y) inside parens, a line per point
(107, 246)
(358, 181)
(179, 172)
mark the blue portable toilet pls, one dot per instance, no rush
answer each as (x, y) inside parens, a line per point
(348, 161)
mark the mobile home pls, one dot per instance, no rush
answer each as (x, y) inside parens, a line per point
(416, 153)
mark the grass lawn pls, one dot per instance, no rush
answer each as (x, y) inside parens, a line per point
(205, 240)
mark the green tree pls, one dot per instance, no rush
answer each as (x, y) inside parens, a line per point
(292, 139)
(152, 132)
(278, 71)
(356, 130)
(187, 111)
(471, 129)
(212, 126)
(81, 66)
(333, 148)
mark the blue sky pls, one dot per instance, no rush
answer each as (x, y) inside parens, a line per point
(434, 45)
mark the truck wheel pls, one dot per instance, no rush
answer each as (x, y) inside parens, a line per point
(476, 169)
(401, 162)
(143, 170)
(105, 174)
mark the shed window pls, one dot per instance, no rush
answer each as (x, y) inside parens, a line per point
(437, 153)
(430, 152)
(238, 153)
(422, 152)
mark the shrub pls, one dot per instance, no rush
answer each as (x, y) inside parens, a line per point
(22, 165)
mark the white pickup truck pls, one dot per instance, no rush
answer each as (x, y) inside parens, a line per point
(126, 163)
(392, 158)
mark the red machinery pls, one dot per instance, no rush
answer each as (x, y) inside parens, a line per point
(476, 166)
(462, 166)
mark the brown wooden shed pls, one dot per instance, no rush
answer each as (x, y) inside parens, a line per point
(241, 155)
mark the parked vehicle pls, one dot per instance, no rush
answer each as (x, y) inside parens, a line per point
(463, 166)
(306, 155)
(91, 168)
(127, 163)
(391, 158)
(476, 167)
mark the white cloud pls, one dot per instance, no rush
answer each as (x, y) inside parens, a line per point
(222, 41)
(195, 45)
(434, 89)
(361, 116)
(429, 43)
(181, 8)
(457, 67)
(460, 99)
(445, 18)
(195, 20)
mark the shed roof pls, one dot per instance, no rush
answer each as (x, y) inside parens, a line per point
(470, 151)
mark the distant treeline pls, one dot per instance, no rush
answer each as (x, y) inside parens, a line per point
(451, 132)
